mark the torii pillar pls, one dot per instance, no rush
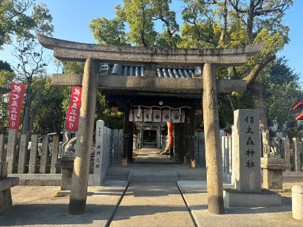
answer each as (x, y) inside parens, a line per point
(80, 176)
(212, 141)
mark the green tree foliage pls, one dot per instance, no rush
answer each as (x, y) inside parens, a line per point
(206, 24)
(4, 66)
(141, 17)
(112, 119)
(74, 67)
(281, 92)
(110, 31)
(47, 110)
(20, 18)
(6, 76)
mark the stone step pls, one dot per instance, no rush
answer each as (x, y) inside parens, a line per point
(154, 172)
(38, 179)
(116, 178)
(153, 178)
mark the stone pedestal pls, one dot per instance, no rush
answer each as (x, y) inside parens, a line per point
(264, 198)
(297, 202)
(5, 188)
(67, 165)
(272, 172)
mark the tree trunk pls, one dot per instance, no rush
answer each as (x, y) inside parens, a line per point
(257, 94)
(224, 30)
(27, 110)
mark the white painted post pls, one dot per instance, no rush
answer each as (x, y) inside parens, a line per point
(99, 146)
(297, 202)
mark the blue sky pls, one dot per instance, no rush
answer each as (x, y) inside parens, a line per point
(72, 17)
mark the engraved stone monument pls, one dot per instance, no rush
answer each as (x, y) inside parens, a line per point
(246, 164)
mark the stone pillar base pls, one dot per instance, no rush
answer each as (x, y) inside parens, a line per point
(5, 188)
(67, 166)
(5, 200)
(272, 178)
(265, 198)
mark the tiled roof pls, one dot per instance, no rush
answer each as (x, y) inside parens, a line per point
(138, 70)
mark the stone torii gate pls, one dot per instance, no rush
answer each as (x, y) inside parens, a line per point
(93, 54)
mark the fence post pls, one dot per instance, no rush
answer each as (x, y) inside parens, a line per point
(2, 150)
(298, 151)
(285, 144)
(22, 154)
(11, 150)
(55, 151)
(33, 154)
(44, 155)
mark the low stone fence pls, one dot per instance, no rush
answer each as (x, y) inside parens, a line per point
(43, 154)
(290, 152)
(40, 155)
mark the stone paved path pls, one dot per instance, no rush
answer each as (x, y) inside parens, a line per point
(152, 204)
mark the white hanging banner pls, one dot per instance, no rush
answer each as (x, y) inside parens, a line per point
(148, 113)
(183, 117)
(131, 117)
(157, 116)
(176, 116)
(166, 116)
(138, 115)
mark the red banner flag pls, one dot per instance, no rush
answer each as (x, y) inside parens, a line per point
(15, 104)
(73, 112)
